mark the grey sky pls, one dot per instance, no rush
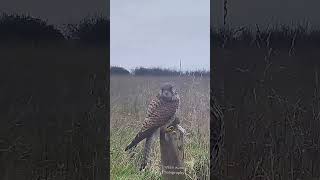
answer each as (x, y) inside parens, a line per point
(250, 12)
(158, 33)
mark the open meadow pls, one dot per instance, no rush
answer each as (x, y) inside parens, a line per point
(272, 114)
(129, 97)
(53, 112)
(270, 78)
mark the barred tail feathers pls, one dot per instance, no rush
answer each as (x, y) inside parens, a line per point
(147, 152)
(140, 136)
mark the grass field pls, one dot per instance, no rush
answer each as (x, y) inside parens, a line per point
(272, 122)
(129, 97)
(52, 126)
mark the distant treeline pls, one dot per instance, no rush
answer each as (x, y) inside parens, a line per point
(96, 30)
(25, 28)
(141, 71)
(281, 36)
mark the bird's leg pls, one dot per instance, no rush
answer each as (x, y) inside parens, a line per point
(170, 129)
(173, 125)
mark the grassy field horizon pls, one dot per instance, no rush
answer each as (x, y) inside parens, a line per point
(129, 97)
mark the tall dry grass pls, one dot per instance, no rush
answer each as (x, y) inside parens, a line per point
(271, 83)
(53, 112)
(129, 97)
(272, 117)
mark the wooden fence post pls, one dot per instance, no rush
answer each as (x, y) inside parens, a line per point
(172, 154)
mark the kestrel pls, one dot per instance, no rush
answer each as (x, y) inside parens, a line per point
(160, 114)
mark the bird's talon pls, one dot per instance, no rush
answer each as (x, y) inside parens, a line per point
(170, 129)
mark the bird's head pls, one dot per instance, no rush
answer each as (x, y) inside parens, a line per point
(167, 92)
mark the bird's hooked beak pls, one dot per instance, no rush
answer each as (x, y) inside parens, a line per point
(175, 95)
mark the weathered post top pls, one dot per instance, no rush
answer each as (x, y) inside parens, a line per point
(172, 153)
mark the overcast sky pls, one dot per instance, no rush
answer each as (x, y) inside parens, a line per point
(160, 33)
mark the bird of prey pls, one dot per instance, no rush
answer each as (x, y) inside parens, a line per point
(160, 114)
